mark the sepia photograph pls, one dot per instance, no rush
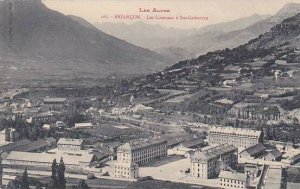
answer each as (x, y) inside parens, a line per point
(149, 94)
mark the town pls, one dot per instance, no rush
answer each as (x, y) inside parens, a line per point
(81, 108)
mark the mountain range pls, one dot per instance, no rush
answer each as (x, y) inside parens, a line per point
(43, 39)
(281, 42)
(167, 41)
(183, 44)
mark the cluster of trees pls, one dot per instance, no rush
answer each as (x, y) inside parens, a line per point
(27, 130)
(291, 104)
(58, 180)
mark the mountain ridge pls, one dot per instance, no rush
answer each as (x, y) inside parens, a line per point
(47, 39)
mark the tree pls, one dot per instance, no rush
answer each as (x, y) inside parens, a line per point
(82, 185)
(54, 169)
(24, 181)
(14, 184)
(61, 181)
(53, 181)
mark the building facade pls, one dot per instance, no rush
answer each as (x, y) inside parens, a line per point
(142, 152)
(126, 170)
(233, 180)
(66, 144)
(237, 137)
(208, 163)
(39, 164)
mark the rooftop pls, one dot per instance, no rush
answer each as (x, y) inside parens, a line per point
(213, 152)
(32, 146)
(48, 158)
(69, 141)
(233, 175)
(140, 144)
(11, 146)
(254, 150)
(275, 153)
(193, 142)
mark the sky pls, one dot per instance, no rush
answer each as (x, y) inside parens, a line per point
(206, 11)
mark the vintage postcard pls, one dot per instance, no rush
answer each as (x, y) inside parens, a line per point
(150, 94)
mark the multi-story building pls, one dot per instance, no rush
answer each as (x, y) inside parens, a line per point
(208, 163)
(233, 180)
(142, 152)
(237, 137)
(66, 144)
(132, 154)
(126, 170)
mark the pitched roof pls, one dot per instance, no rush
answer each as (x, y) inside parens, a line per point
(275, 153)
(193, 142)
(11, 146)
(214, 152)
(254, 150)
(295, 158)
(32, 146)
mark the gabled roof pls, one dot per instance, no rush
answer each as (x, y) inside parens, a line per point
(254, 150)
(275, 153)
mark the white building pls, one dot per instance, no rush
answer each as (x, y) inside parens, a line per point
(237, 137)
(208, 163)
(125, 170)
(233, 180)
(66, 144)
(142, 152)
